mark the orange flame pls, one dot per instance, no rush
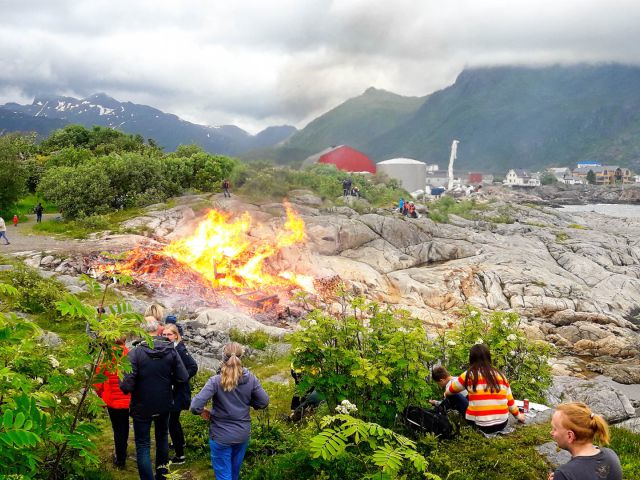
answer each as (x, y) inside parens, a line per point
(224, 253)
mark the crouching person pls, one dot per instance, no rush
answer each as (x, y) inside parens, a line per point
(459, 401)
(232, 392)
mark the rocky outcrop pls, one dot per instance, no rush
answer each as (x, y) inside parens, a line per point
(604, 400)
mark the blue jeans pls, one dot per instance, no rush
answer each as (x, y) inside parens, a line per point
(227, 459)
(4, 234)
(142, 433)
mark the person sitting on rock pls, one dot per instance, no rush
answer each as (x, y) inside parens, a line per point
(412, 210)
(574, 427)
(459, 401)
(490, 398)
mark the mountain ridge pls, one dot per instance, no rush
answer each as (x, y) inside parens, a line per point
(167, 129)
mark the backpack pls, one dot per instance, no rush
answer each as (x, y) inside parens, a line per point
(421, 420)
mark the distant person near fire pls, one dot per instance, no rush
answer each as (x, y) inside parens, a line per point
(225, 187)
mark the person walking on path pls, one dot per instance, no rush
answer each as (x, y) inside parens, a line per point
(225, 187)
(3, 231)
(39, 210)
(233, 391)
(117, 405)
(490, 398)
(181, 392)
(154, 370)
(15, 220)
(574, 427)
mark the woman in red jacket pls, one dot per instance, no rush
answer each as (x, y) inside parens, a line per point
(117, 405)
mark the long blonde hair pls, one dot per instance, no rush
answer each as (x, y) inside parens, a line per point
(156, 311)
(585, 424)
(231, 369)
(174, 330)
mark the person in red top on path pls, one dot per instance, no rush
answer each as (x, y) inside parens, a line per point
(117, 405)
(15, 220)
(490, 398)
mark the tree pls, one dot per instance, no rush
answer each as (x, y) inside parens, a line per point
(14, 151)
(591, 177)
(548, 178)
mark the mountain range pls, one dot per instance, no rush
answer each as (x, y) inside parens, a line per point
(48, 113)
(504, 117)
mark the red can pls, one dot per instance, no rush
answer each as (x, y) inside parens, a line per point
(526, 405)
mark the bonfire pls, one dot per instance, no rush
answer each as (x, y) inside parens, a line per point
(222, 258)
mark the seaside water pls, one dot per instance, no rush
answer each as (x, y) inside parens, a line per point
(613, 209)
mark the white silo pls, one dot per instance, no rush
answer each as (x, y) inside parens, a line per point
(412, 174)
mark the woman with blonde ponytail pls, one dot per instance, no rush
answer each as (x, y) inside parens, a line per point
(232, 391)
(574, 427)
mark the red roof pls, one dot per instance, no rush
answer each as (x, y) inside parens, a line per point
(345, 158)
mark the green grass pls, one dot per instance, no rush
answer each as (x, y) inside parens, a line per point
(82, 228)
(577, 226)
(439, 210)
(25, 206)
(561, 237)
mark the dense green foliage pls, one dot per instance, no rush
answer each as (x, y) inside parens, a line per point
(13, 173)
(47, 409)
(383, 358)
(264, 181)
(43, 393)
(82, 182)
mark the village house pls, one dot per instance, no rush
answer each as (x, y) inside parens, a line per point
(605, 174)
(521, 178)
(564, 175)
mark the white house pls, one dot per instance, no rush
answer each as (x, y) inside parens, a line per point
(517, 177)
(564, 175)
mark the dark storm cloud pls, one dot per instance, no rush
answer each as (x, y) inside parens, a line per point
(256, 63)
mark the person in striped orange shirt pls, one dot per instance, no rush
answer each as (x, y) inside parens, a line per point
(490, 398)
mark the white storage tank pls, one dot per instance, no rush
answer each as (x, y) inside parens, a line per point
(412, 174)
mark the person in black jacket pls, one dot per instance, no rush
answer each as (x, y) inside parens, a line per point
(154, 371)
(181, 392)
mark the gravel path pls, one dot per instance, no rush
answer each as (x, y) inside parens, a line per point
(23, 240)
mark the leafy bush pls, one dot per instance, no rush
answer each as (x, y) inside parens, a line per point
(47, 410)
(523, 362)
(439, 210)
(265, 181)
(35, 293)
(381, 358)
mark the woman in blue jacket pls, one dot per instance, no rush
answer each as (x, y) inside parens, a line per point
(181, 392)
(232, 391)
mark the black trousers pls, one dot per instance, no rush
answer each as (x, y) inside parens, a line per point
(120, 424)
(177, 435)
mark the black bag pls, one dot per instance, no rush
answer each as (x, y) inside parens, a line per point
(422, 420)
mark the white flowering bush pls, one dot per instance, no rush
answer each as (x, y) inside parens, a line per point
(524, 362)
(346, 408)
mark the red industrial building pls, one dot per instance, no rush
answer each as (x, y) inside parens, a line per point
(344, 158)
(475, 178)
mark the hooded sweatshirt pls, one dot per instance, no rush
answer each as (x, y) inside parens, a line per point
(230, 421)
(153, 372)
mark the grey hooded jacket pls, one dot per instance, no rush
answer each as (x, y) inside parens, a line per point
(230, 421)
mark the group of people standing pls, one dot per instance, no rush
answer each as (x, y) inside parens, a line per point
(483, 395)
(157, 390)
(408, 209)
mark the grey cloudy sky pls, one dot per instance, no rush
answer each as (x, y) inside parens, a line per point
(255, 63)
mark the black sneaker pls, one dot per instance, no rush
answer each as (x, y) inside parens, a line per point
(178, 460)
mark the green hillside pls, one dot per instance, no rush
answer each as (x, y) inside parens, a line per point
(504, 117)
(355, 122)
(525, 117)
